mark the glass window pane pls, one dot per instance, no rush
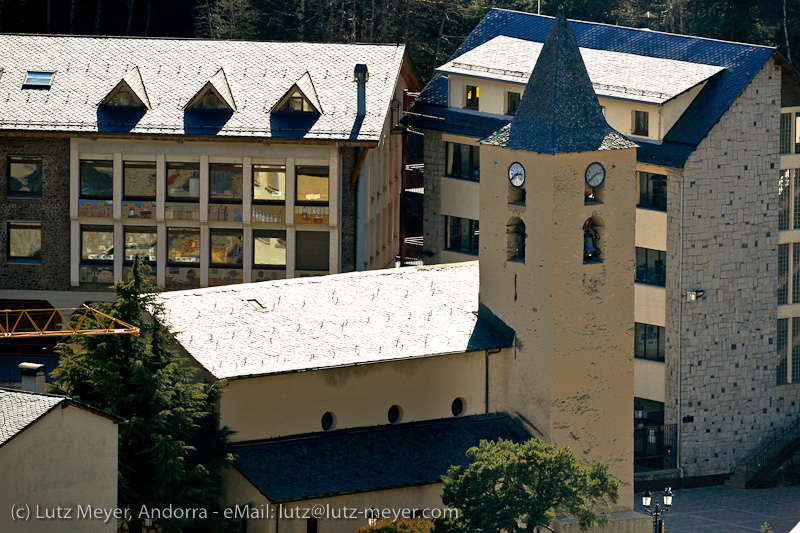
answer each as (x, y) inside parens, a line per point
(781, 344)
(651, 266)
(312, 185)
(226, 248)
(513, 103)
(183, 245)
(784, 183)
(269, 183)
(139, 179)
(183, 180)
(141, 242)
(97, 179)
(783, 273)
(226, 181)
(25, 175)
(463, 161)
(786, 133)
(97, 243)
(25, 240)
(269, 248)
(312, 250)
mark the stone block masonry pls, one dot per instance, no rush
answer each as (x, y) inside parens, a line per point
(432, 219)
(52, 210)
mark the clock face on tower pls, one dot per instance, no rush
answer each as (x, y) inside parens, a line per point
(516, 174)
(595, 175)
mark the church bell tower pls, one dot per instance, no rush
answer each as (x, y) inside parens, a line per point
(557, 212)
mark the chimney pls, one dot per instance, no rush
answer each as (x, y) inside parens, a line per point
(360, 76)
(32, 377)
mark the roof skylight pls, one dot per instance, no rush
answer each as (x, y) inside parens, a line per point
(38, 79)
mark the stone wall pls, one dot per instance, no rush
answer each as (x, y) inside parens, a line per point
(432, 222)
(722, 238)
(52, 209)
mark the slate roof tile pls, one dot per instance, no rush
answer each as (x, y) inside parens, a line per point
(18, 410)
(326, 464)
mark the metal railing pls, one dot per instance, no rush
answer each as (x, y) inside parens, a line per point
(655, 447)
(752, 468)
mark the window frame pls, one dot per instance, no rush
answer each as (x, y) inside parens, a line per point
(97, 229)
(139, 229)
(300, 246)
(660, 275)
(648, 178)
(473, 162)
(660, 342)
(32, 75)
(508, 110)
(301, 202)
(470, 102)
(225, 200)
(125, 195)
(271, 234)
(170, 197)
(225, 232)
(106, 163)
(635, 126)
(176, 230)
(19, 160)
(473, 235)
(20, 224)
(270, 201)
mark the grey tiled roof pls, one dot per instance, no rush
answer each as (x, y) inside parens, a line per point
(613, 74)
(366, 459)
(18, 410)
(329, 321)
(559, 111)
(174, 70)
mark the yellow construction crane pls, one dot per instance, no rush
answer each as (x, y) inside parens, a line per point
(20, 323)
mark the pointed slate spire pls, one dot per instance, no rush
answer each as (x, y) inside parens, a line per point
(559, 111)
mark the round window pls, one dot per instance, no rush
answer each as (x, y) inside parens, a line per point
(458, 407)
(395, 414)
(328, 421)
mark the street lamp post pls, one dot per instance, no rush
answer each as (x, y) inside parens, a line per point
(657, 511)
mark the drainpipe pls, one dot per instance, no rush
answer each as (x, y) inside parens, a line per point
(486, 377)
(680, 339)
(660, 110)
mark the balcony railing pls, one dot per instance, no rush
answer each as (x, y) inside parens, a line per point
(655, 448)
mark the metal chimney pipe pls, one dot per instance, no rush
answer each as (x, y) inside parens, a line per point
(32, 377)
(360, 76)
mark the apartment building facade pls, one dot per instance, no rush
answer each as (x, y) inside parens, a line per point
(715, 356)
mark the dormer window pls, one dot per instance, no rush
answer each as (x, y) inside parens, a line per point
(472, 96)
(300, 98)
(211, 101)
(129, 92)
(214, 95)
(38, 79)
(641, 123)
(512, 102)
(122, 97)
(297, 102)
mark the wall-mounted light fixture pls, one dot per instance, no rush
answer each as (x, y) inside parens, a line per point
(694, 295)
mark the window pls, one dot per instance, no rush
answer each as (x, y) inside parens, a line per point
(183, 246)
(269, 183)
(783, 274)
(512, 102)
(312, 185)
(97, 243)
(210, 100)
(297, 102)
(97, 179)
(463, 161)
(328, 421)
(138, 180)
(38, 79)
(782, 343)
(395, 414)
(797, 132)
(24, 176)
(226, 247)
(313, 249)
(649, 342)
(784, 198)
(311, 524)
(651, 266)
(653, 191)
(269, 248)
(462, 235)
(123, 97)
(786, 133)
(183, 181)
(515, 231)
(25, 241)
(225, 181)
(472, 96)
(458, 406)
(641, 123)
(788, 348)
(141, 242)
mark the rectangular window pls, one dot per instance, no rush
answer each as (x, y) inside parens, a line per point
(653, 191)
(784, 198)
(226, 247)
(796, 198)
(24, 176)
(783, 274)
(183, 181)
(25, 241)
(782, 344)
(796, 273)
(472, 95)
(141, 242)
(312, 185)
(269, 183)
(641, 123)
(512, 102)
(797, 132)
(225, 181)
(463, 161)
(462, 235)
(97, 243)
(183, 246)
(138, 180)
(38, 79)
(651, 266)
(649, 342)
(269, 248)
(97, 179)
(313, 249)
(786, 133)
(795, 350)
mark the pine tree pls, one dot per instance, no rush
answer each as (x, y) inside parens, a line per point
(171, 448)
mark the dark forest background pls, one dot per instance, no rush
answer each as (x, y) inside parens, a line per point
(424, 25)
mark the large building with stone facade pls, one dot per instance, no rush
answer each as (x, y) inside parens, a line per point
(216, 162)
(717, 271)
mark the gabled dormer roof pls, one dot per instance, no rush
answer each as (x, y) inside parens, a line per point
(218, 85)
(559, 111)
(133, 84)
(306, 89)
